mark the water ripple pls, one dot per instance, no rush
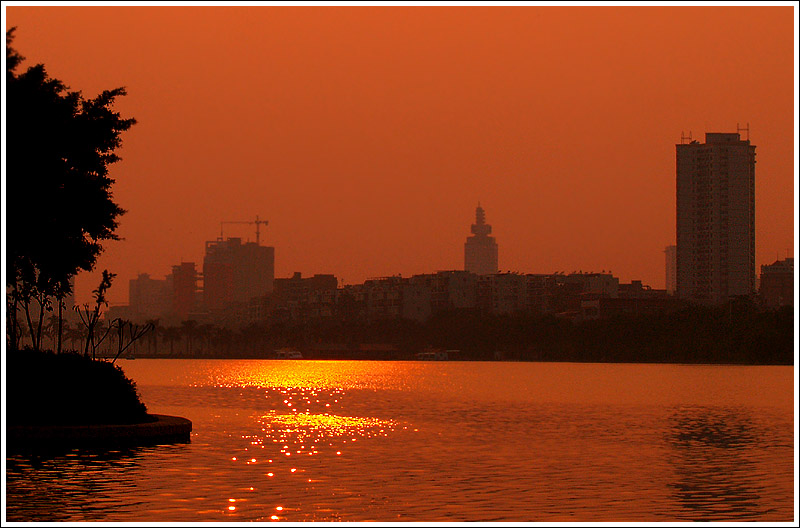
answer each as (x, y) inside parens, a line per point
(393, 441)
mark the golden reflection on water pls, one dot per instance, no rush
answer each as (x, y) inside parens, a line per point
(305, 376)
(542, 382)
(307, 434)
(303, 422)
(324, 441)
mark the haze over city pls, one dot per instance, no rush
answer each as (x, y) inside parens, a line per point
(400, 264)
(366, 136)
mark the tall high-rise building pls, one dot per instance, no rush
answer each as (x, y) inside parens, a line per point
(671, 255)
(234, 272)
(184, 289)
(480, 249)
(716, 231)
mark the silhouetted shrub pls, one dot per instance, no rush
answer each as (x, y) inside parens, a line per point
(68, 388)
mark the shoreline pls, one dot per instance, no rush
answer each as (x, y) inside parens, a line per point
(463, 360)
(164, 429)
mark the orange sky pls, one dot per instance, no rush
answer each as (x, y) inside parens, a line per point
(367, 135)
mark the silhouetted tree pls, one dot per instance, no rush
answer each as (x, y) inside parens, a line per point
(156, 330)
(91, 316)
(59, 207)
(134, 333)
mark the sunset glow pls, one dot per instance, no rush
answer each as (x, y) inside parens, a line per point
(400, 264)
(366, 135)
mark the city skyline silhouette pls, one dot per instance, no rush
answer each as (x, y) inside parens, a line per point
(400, 264)
(366, 136)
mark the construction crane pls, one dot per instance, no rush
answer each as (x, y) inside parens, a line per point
(257, 222)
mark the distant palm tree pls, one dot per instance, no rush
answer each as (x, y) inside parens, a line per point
(152, 338)
(253, 335)
(73, 335)
(51, 329)
(65, 326)
(188, 329)
(171, 334)
(204, 331)
(222, 339)
(101, 336)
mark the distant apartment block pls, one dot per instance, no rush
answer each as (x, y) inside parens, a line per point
(383, 297)
(149, 298)
(568, 292)
(503, 293)
(715, 218)
(577, 295)
(636, 290)
(184, 290)
(777, 283)
(171, 299)
(234, 272)
(396, 297)
(671, 266)
(540, 292)
(301, 297)
(450, 289)
(480, 249)
(634, 298)
(603, 283)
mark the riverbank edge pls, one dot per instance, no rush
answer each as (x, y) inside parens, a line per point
(238, 357)
(164, 429)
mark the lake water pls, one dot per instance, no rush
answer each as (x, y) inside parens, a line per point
(436, 441)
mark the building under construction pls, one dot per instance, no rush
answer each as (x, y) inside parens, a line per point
(236, 271)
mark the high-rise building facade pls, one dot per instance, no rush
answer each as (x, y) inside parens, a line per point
(480, 249)
(671, 256)
(234, 272)
(716, 236)
(184, 289)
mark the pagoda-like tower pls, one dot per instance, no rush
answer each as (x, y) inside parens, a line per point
(480, 249)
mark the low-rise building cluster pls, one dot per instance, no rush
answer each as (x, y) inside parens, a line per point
(574, 295)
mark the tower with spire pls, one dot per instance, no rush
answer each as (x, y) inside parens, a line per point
(480, 249)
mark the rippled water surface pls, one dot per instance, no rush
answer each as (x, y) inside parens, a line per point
(436, 441)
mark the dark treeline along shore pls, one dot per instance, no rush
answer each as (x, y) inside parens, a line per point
(737, 333)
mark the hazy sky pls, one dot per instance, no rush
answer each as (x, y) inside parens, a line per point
(367, 135)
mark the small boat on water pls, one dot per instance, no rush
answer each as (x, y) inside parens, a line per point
(288, 353)
(432, 354)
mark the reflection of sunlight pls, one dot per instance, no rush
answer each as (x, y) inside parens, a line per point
(305, 433)
(307, 375)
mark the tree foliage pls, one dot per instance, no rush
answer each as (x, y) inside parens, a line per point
(737, 333)
(60, 207)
